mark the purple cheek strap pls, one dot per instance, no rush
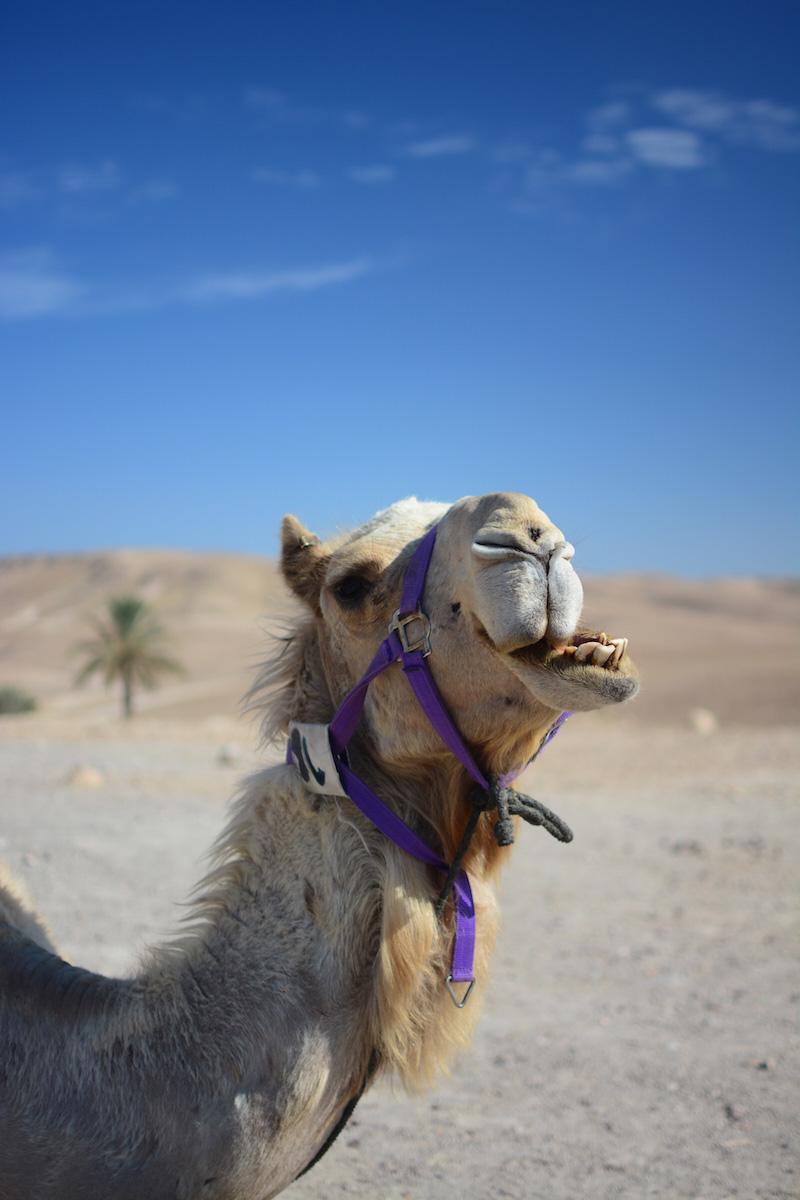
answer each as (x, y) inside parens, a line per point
(319, 753)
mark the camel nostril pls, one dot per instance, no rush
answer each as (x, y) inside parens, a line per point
(562, 550)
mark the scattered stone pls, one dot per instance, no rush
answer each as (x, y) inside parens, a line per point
(735, 1112)
(84, 776)
(687, 846)
(229, 756)
(761, 1064)
(703, 721)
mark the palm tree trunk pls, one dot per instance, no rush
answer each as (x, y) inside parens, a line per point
(127, 694)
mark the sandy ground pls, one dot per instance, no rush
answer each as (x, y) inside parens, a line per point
(640, 1038)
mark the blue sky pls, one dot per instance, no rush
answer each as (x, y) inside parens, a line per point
(313, 257)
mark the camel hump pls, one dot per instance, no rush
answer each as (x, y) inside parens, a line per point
(35, 977)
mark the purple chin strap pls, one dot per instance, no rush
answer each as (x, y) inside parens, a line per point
(319, 753)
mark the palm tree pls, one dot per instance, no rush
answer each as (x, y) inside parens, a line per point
(127, 648)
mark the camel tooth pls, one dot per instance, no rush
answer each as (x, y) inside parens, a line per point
(585, 650)
(602, 654)
(620, 646)
(602, 638)
(569, 651)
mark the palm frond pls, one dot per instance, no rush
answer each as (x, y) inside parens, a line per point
(126, 647)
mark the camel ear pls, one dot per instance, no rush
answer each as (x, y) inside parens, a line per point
(303, 560)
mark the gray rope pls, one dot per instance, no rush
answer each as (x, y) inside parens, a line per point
(508, 803)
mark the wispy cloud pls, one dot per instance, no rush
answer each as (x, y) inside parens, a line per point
(304, 180)
(76, 180)
(674, 149)
(676, 130)
(761, 123)
(379, 173)
(182, 110)
(154, 191)
(612, 115)
(252, 285)
(441, 147)
(550, 171)
(75, 188)
(511, 151)
(33, 285)
(598, 171)
(18, 188)
(265, 99)
(274, 107)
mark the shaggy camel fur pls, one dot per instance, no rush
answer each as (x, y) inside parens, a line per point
(314, 951)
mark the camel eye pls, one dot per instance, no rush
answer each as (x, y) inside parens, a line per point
(352, 589)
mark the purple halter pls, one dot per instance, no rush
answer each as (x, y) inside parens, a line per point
(318, 750)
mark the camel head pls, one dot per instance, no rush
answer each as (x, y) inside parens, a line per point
(508, 651)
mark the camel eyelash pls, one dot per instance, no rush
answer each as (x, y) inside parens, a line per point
(352, 589)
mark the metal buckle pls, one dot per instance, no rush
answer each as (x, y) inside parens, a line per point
(398, 625)
(459, 1003)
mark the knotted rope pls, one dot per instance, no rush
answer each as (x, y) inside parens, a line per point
(509, 803)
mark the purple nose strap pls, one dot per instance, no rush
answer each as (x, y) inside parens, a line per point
(408, 643)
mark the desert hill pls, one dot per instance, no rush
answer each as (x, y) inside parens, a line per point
(210, 604)
(726, 645)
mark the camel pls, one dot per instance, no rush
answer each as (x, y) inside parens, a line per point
(319, 953)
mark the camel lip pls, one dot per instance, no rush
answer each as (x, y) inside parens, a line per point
(535, 654)
(549, 650)
(500, 550)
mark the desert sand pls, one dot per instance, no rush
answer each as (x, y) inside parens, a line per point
(640, 1036)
